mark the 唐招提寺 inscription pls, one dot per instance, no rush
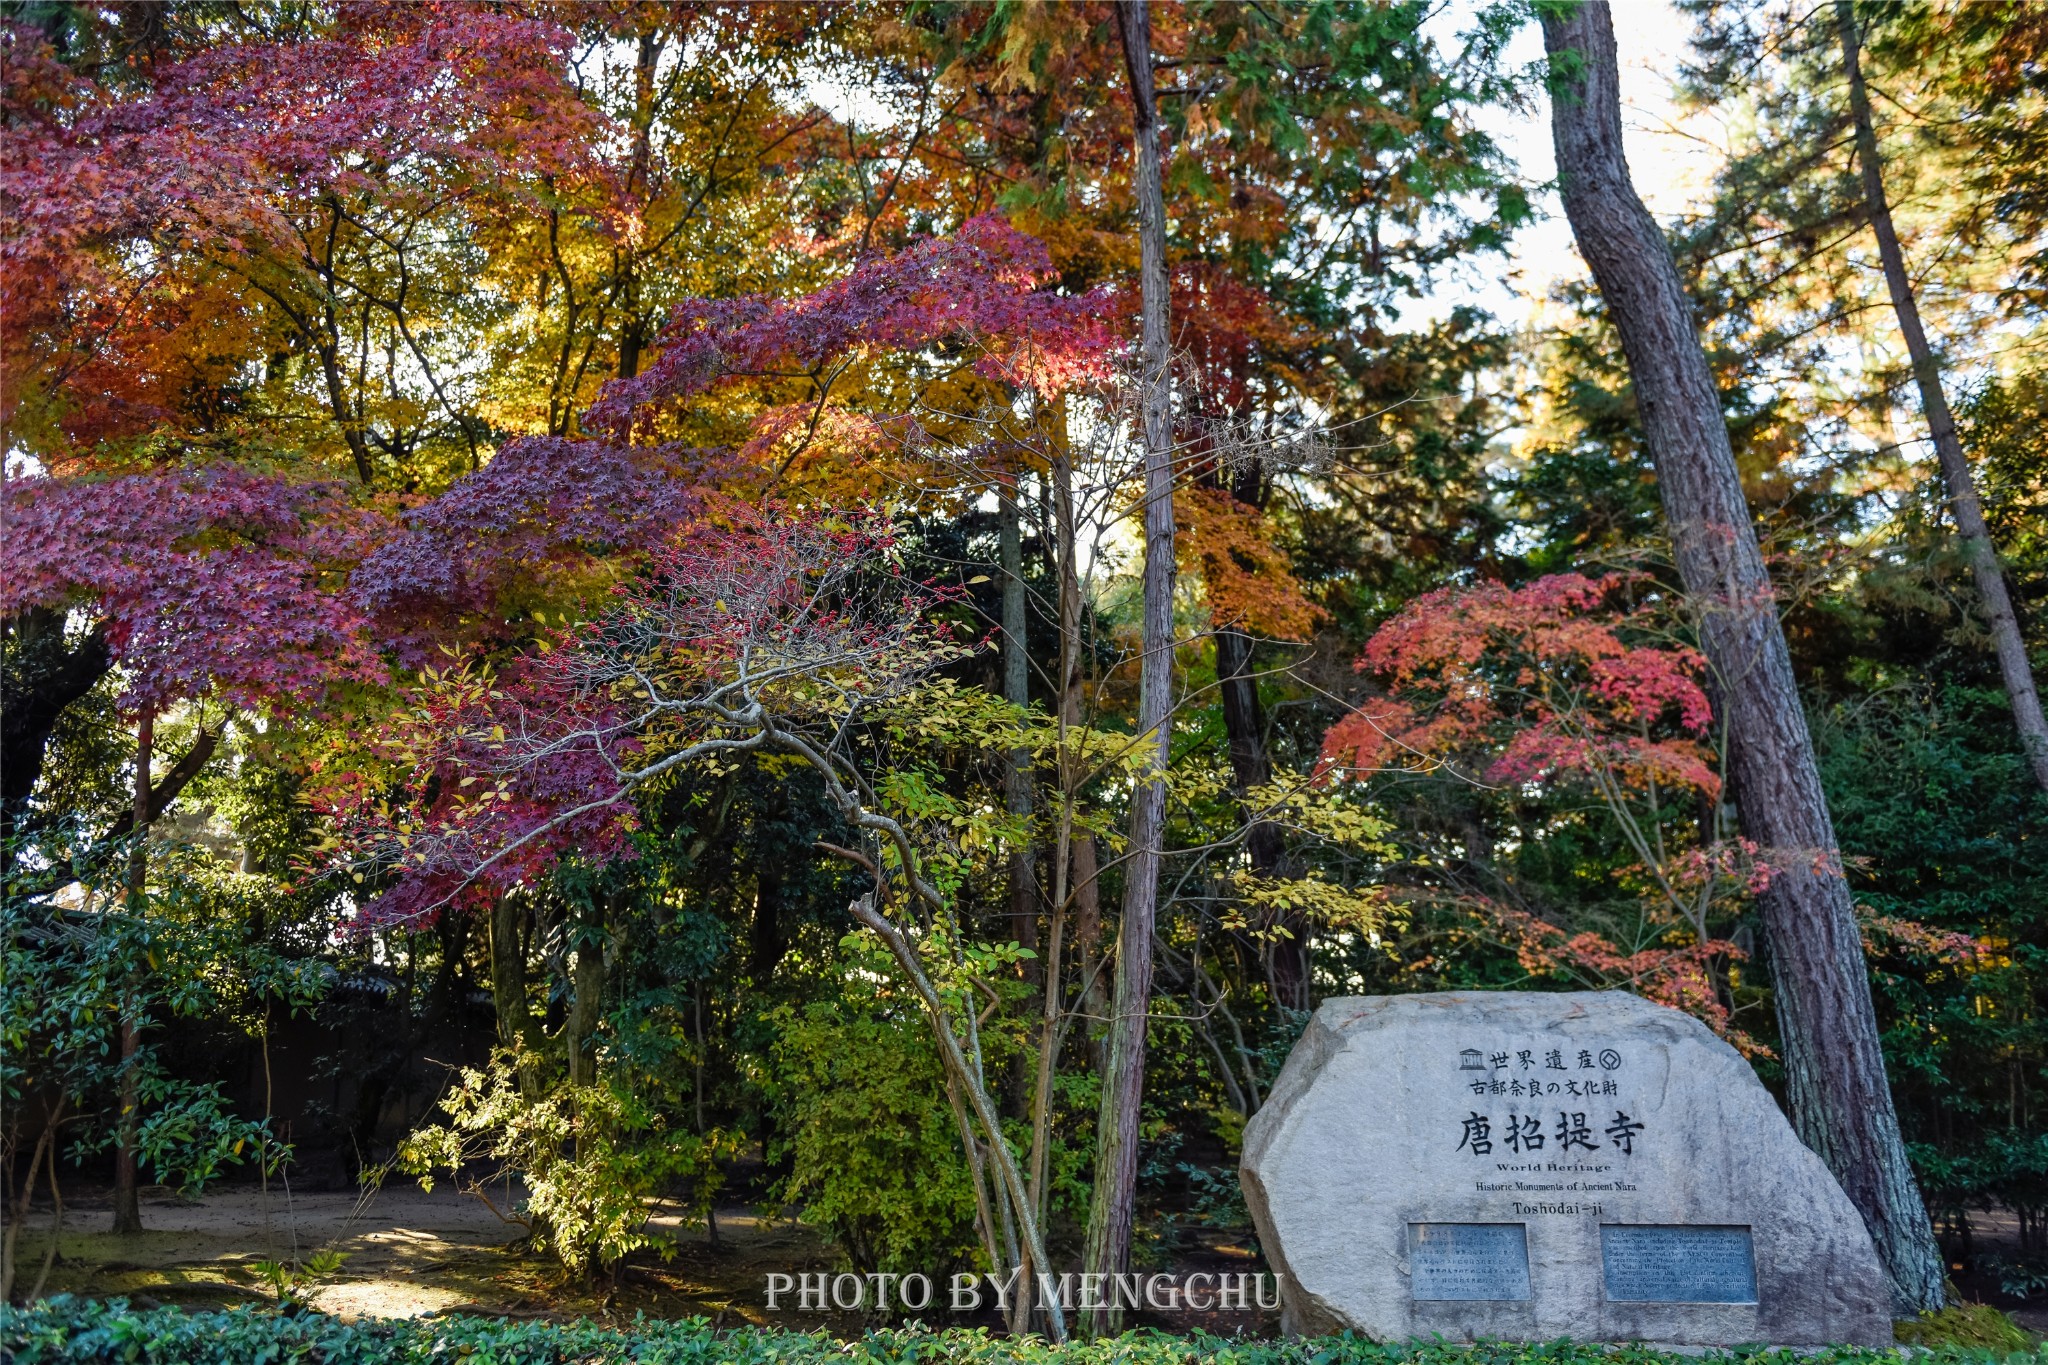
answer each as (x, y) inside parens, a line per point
(1530, 1166)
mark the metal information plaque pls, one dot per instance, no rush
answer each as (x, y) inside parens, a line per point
(1468, 1261)
(1651, 1263)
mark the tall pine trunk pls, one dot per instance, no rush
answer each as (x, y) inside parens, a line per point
(1123, 1073)
(1840, 1100)
(1963, 502)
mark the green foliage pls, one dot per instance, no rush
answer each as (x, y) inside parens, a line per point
(873, 1146)
(69, 981)
(1324, 162)
(590, 1157)
(67, 1331)
(1941, 826)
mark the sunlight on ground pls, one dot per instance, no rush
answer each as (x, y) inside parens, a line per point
(408, 1253)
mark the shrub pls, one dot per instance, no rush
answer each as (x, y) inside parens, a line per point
(74, 1331)
(589, 1156)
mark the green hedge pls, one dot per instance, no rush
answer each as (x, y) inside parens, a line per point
(76, 1330)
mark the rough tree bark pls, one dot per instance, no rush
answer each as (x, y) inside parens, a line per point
(1123, 1074)
(1841, 1102)
(1964, 504)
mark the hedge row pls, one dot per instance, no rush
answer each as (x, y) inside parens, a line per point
(77, 1330)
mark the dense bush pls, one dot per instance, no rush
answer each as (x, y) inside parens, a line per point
(67, 1329)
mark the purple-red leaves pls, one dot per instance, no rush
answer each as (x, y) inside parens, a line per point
(542, 504)
(210, 582)
(981, 288)
(743, 623)
(225, 153)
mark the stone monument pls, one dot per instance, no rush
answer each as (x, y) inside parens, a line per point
(1530, 1166)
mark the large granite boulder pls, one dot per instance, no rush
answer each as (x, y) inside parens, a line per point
(1530, 1166)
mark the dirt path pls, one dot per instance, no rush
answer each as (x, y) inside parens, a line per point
(407, 1252)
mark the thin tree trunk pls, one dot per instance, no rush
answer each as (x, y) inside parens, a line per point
(56, 1226)
(960, 1070)
(1051, 1030)
(984, 1212)
(1017, 691)
(586, 1007)
(765, 945)
(632, 332)
(697, 1097)
(1076, 854)
(1245, 724)
(17, 1210)
(1111, 1211)
(1964, 504)
(1017, 777)
(127, 1199)
(1840, 1101)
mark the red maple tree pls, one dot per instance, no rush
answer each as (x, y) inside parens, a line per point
(980, 293)
(751, 630)
(106, 186)
(1566, 685)
(210, 582)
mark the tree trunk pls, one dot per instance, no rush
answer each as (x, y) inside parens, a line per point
(17, 1210)
(766, 942)
(50, 1254)
(1245, 724)
(639, 172)
(1840, 1101)
(586, 1007)
(516, 1029)
(1076, 852)
(966, 1075)
(1017, 691)
(1123, 1076)
(45, 676)
(127, 1199)
(1941, 425)
(1017, 775)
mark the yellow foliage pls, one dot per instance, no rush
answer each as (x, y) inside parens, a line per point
(1249, 581)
